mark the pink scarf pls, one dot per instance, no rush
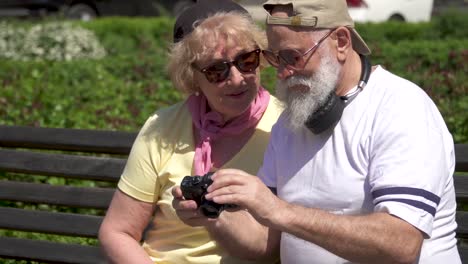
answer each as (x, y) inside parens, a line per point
(211, 127)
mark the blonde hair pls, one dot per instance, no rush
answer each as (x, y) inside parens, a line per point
(237, 30)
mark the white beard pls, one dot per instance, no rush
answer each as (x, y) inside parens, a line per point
(300, 104)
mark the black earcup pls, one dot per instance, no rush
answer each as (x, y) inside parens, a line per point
(327, 115)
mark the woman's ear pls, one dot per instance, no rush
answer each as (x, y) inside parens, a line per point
(343, 42)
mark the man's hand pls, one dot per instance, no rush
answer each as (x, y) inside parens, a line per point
(235, 229)
(187, 210)
(231, 186)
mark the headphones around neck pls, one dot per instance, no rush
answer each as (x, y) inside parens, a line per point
(328, 115)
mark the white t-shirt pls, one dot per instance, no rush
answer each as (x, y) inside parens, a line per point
(390, 152)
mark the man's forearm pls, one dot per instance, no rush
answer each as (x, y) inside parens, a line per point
(242, 236)
(377, 237)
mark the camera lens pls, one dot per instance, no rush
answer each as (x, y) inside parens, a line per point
(196, 180)
(210, 211)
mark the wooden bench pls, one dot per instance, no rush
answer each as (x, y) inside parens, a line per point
(461, 189)
(99, 158)
(96, 156)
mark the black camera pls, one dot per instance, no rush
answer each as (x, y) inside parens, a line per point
(194, 188)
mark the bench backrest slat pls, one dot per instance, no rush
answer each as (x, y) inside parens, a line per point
(462, 222)
(49, 252)
(461, 188)
(115, 142)
(461, 155)
(463, 251)
(83, 197)
(50, 222)
(69, 166)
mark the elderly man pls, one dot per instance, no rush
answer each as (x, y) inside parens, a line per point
(361, 161)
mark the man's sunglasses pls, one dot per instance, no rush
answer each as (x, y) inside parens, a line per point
(291, 58)
(245, 63)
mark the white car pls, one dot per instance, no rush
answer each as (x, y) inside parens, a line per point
(366, 10)
(384, 10)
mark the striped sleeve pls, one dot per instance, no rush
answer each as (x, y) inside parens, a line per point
(415, 197)
(410, 162)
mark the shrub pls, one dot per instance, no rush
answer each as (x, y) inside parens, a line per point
(49, 41)
(120, 90)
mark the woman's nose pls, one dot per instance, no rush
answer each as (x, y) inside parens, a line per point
(235, 76)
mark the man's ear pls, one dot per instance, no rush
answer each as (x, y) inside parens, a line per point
(343, 43)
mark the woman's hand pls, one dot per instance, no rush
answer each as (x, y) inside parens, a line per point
(187, 210)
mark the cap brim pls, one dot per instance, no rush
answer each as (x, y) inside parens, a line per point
(359, 45)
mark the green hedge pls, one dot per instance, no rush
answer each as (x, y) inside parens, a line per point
(121, 90)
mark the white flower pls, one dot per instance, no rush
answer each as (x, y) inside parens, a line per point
(49, 41)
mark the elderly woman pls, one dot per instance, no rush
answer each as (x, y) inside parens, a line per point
(225, 122)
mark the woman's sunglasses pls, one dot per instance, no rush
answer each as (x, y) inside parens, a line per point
(245, 63)
(291, 58)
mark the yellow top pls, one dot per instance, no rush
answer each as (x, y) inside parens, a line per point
(161, 156)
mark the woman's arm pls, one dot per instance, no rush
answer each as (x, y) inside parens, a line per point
(122, 229)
